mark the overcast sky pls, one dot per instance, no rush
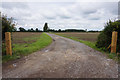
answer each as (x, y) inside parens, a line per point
(61, 15)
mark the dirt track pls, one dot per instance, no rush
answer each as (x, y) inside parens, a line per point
(64, 58)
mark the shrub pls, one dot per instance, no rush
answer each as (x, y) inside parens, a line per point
(104, 39)
(7, 25)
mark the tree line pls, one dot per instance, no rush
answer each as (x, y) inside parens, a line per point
(21, 29)
(47, 29)
(8, 25)
(70, 30)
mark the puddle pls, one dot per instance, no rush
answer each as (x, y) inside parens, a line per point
(14, 65)
(46, 50)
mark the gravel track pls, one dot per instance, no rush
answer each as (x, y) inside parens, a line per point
(64, 58)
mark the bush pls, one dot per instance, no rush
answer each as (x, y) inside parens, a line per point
(104, 39)
(7, 25)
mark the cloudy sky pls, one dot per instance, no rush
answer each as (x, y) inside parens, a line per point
(61, 14)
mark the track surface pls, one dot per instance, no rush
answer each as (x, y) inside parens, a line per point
(64, 58)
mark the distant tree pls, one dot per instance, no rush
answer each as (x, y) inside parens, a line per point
(45, 28)
(51, 30)
(32, 30)
(37, 30)
(74, 30)
(93, 31)
(59, 30)
(22, 29)
(29, 30)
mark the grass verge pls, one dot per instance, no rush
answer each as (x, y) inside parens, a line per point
(92, 45)
(25, 49)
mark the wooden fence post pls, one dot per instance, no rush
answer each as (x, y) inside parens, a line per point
(8, 43)
(114, 42)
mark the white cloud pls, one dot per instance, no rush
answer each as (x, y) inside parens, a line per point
(59, 0)
(63, 15)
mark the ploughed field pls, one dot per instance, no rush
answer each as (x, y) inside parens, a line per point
(24, 37)
(90, 36)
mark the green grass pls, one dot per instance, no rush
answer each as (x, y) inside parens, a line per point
(25, 49)
(92, 45)
(86, 36)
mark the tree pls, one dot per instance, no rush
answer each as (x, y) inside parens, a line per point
(59, 30)
(104, 39)
(45, 28)
(74, 30)
(22, 29)
(37, 30)
(29, 30)
(32, 30)
(15, 29)
(8, 25)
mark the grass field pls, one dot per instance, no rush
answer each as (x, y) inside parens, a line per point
(24, 43)
(92, 37)
(83, 37)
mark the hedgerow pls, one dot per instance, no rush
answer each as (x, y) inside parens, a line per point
(104, 39)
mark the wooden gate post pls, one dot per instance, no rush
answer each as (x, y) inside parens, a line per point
(114, 42)
(8, 43)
